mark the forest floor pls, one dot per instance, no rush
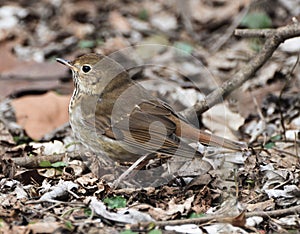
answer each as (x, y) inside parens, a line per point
(180, 51)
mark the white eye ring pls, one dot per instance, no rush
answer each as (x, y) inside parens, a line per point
(86, 68)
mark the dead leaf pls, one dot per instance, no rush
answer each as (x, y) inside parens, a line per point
(118, 22)
(172, 210)
(112, 45)
(164, 21)
(224, 228)
(131, 216)
(222, 121)
(43, 227)
(208, 14)
(39, 114)
(186, 228)
(238, 221)
(60, 190)
(259, 206)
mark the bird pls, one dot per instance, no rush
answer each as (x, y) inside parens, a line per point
(115, 116)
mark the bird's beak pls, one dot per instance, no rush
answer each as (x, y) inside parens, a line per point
(65, 62)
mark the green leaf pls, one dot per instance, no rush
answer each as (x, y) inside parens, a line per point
(256, 44)
(21, 140)
(69, 225)
(55, 165)
(276, 138)
(195, 215)
(143, 15)
(184, 48)
(59, 164)
(155, 231)
(269, 145)
(87, 212)
(71, 144)
(45, 164)
(115, 202)
(151, 225)
(86, 44)
(249, 181)
(256, 20)
(128, 232)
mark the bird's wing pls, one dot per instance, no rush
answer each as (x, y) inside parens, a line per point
(149, 128)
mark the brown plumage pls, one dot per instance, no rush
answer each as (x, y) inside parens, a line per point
(112, 114)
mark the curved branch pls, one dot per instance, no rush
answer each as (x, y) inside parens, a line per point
(274, 37)
(221, 218)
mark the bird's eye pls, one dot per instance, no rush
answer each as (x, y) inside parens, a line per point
(86, 68)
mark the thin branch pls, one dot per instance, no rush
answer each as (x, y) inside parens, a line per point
(34, 162)
(275, 213)
(246, 33)
(287, 83)
(220, 218)
(274, 37)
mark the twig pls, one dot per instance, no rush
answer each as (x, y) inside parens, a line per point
(285, 152)
(274, 37)
(128, 171)
(262, 194)
(255, 135)
(273, 213)
(34, 161)
(246, 33)
(287, 83)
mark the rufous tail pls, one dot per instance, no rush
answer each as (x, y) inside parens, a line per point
(190, 132)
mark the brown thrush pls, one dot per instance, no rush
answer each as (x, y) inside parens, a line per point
(114, 115)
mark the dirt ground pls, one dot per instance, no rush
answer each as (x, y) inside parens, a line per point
(181, 51)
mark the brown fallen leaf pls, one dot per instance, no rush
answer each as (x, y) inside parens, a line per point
(118, 22)
(39, 114)
(208, 14)
(43, 227)
(238, 221)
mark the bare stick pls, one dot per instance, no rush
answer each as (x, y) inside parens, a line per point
(274, 37)
(221, 218)
(246, 33)
(34, 162)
